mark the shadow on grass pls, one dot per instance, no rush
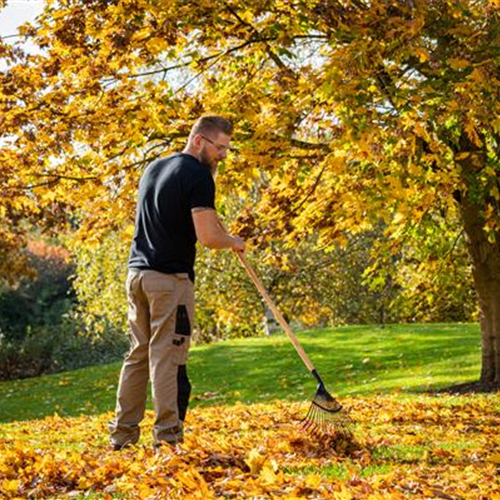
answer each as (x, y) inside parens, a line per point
(476, 387)
(351, 360)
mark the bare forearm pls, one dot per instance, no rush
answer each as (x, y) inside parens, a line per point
(219, 239)
(211, 233)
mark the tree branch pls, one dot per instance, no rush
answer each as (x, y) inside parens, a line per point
(199, 62)
(307, 145)
(281, 65)
(448, 253)
(311, 190)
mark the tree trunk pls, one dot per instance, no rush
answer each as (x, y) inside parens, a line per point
(485, 257)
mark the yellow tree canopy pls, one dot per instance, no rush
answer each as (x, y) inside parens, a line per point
(348, 112)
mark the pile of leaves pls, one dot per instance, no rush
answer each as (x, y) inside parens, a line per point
(419, 448)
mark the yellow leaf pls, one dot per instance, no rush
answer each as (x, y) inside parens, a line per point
(10, 486)
(458, 63)
(477, 75)
(84, 483)
(267, 474)
(255, 461)
(313, 480)
(472, 134)
(343, 494)
(422, 54)
(420, 130)
(192, 480)
(156, 45)
(145, 490)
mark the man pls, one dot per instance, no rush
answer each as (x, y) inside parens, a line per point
(176, 207)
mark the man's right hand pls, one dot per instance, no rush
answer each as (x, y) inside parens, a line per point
(238, 244)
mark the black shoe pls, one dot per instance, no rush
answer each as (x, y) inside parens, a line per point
(120, 447)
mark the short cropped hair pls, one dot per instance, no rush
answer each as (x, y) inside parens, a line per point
(212, 123)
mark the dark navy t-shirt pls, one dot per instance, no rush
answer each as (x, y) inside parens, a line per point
(165, 238)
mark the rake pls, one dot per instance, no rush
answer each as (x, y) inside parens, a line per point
(326, 416)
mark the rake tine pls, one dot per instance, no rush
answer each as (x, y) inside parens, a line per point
(326, 417)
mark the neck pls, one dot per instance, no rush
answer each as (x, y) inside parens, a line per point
(191, 151)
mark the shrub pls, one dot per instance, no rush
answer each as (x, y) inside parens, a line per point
(39, 330)
(63, 347)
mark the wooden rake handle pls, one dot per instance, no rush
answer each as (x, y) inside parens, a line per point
(277, 314)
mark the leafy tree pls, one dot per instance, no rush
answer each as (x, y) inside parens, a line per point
(350, 113)
(434, 277)
(99, 283)
(311, 288)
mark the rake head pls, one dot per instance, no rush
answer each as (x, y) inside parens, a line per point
(326, 416)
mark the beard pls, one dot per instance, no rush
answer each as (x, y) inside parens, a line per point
(210, 164)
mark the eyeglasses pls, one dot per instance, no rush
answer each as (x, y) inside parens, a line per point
(220, 147)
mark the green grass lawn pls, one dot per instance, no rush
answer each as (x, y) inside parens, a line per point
(352, 360)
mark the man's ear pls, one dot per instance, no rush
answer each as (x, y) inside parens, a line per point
(197, 141)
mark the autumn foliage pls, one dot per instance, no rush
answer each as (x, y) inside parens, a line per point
(349, 114)
(432, 448)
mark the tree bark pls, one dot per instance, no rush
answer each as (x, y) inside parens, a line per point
(485, 256)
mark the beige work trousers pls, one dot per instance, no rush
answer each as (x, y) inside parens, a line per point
(160, 315)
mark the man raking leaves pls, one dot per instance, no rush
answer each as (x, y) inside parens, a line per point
(175, 207)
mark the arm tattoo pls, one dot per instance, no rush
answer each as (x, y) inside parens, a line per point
(201, 209)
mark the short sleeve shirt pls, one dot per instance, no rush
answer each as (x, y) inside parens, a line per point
(165, 238)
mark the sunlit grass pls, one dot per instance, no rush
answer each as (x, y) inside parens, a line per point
(352, 360)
